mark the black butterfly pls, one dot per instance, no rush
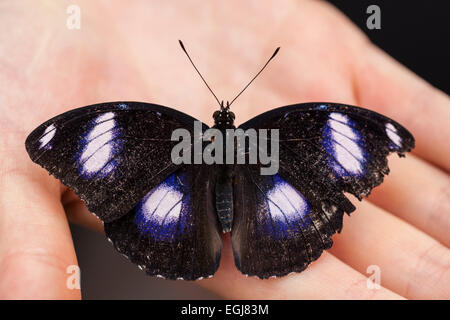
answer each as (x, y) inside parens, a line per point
(168, 218)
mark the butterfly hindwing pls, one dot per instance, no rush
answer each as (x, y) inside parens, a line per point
(110, 154)
(278, 228)
(173, 231)
(324, 150)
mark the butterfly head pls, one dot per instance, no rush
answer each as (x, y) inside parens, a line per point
(224, 118)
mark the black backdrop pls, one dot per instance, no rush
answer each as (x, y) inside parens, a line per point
(416, 33)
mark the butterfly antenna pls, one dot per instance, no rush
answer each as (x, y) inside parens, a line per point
(273, 55)
(184, 49)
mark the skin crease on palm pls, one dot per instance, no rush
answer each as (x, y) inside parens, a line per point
(129, 51)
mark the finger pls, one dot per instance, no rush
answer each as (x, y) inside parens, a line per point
(326, 278)
(78, 213)
(35, 242)
(412, 264)
(382, 83)
(417, 193)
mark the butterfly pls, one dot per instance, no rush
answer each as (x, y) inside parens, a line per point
(168, 217)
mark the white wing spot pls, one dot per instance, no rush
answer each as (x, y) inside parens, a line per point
(99, 148)
(104, 117)
(48, 135)
(339, 117)
(163, 211)
(344, 140)
(391, 132)
(286, 203)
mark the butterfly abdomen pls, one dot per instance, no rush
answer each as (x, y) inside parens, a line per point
(224, 196)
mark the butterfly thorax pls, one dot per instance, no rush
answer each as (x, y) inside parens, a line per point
(223, 119)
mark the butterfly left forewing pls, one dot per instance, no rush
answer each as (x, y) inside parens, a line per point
(110, 154)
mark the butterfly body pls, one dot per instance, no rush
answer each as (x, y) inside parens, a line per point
(223, 120)
(168, 217)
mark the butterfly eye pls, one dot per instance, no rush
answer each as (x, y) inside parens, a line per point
(232, 115)
(216, 114)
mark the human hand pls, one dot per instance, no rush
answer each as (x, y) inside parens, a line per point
(130, 52)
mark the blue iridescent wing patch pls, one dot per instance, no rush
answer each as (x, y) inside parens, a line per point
(287, 209)
(163, 212)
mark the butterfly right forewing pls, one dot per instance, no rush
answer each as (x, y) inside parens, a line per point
(284, 222)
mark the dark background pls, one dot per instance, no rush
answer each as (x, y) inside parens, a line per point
(416, 33)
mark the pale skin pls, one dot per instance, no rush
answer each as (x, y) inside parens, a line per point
(129, 51)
